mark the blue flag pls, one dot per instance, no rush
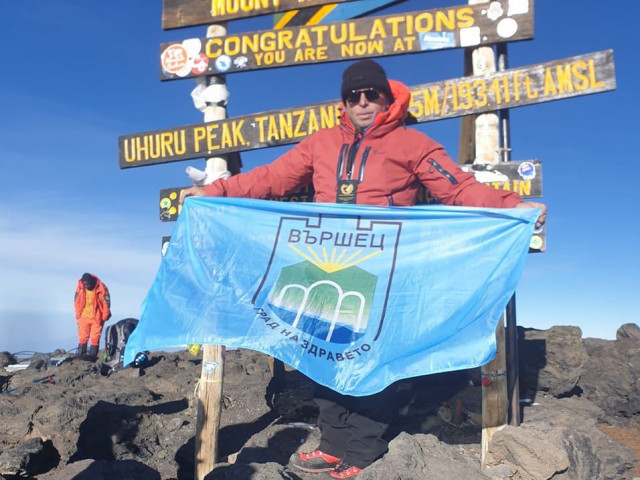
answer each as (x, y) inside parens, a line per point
(355, 297)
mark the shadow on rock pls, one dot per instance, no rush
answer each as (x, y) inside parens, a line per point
(231, 439)
(124, 469)
(110, 426)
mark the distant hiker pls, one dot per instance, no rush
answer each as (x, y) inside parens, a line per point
(92, 304)
(370, 158)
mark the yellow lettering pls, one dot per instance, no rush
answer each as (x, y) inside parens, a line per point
(238, 138)
(424, 22)
(377, 29)
(303, 38)
(166, 139)
(516, 85)
(321, 53)
(319, 31)
(129, 155)
(563, 73)
(530, 93)
(212, 136)
(313, 122)
(581, 82)
(210, 50)
(232, 45)
(272, 129)
(226, 141)
(261, 133)
(549, 85)
(328, 116)
(336, 37)
(268, 41)
(431, 103)
(286, 125)
(394, 21)
(523, 187)
(398, 45)
(592, 75)
(348, 50)
(480, 93)
(353, 36)
(445, 20)
(298, 131)
(199, 134)
(465, 17)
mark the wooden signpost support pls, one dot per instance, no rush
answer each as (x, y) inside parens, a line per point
(211, 377)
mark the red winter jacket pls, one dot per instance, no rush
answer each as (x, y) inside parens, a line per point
(390, 161)
(102, 301)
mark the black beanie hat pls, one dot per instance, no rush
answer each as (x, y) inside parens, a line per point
(90, 280)
(365, 74)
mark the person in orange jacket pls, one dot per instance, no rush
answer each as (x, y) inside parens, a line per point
(92, 304)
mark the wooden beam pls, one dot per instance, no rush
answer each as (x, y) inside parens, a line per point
(211, 377)
(377, 36)
(187, 13)
(559, 79)
(209, 410)
(494, 394)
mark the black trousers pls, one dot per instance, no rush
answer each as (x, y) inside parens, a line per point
(352, 427)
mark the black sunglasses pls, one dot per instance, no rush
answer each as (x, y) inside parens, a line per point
(371, 94)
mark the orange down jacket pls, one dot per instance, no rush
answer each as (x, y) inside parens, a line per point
(389, 159)
(102, 302)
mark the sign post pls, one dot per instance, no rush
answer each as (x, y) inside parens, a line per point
(211, 376)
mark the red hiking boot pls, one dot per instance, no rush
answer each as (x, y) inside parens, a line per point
(344, 470)
(313, 462)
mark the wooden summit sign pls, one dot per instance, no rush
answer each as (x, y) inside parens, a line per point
(186, 13)
(407, 32)
(524, 178)
(559, 79)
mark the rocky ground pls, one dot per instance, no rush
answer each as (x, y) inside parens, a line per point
(581, 418)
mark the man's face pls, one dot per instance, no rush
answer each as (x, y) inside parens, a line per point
(363, 104)
(87, 285)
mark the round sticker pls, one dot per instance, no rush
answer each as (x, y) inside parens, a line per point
(223, 63)
(507, 27)
(536, 242)
(527, 170)
(209, 367)
(174, 58)
(200, 64)
(165, 203)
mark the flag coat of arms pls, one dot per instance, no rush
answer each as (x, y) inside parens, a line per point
(355, 297)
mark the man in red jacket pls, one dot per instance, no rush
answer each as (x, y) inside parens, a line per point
(371, 158)
(92, 304)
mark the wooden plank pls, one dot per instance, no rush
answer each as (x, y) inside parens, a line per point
(556, 80)
(396, 34)
(187, 13)
(523, 177)
(209, 410)
(494, 393)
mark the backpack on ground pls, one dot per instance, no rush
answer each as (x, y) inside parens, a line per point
(115, 340)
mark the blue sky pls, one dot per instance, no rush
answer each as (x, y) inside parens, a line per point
(76, 75)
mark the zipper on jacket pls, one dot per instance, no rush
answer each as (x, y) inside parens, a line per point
(390, 200)
(365, 155)
(351, 156)
(446, 174)
(341, 155)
